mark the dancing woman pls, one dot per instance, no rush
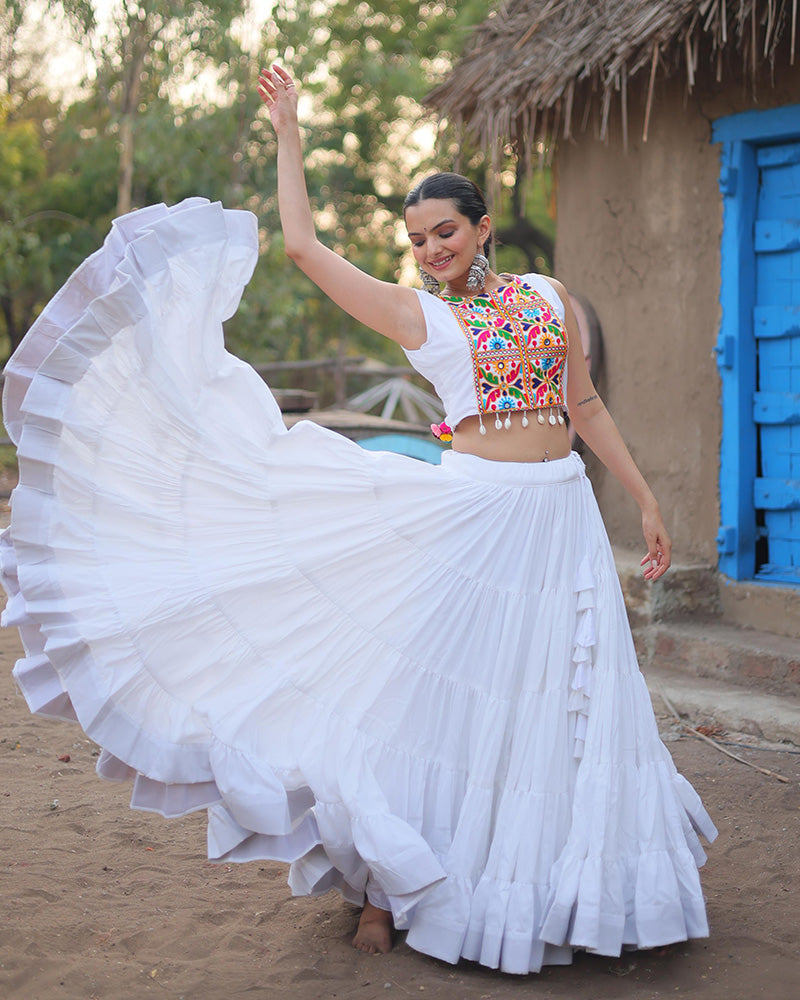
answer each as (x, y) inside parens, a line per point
(416, 684)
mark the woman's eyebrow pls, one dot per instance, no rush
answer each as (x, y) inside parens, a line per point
(444, 222)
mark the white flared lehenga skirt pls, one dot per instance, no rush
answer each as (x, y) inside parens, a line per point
(358, 663)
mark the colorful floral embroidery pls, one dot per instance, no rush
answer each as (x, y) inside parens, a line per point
(518, 345)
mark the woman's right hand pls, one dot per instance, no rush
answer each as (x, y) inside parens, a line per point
(277, 90)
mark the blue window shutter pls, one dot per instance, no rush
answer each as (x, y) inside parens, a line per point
(758, 348)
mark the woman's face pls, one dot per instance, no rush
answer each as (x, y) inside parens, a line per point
(443, 240)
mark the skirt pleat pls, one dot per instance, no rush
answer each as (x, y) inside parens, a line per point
(372, 668)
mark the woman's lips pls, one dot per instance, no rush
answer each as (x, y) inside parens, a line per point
(438, 264)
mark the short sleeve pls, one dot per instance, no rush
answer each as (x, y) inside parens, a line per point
(444, 359)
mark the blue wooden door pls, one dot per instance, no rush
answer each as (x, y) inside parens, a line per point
(776, 323)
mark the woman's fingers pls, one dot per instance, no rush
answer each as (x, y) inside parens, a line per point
(266, 86)
(651, 566)
(657, 561)
(273, 84)
(283, 75)
(269, 78)
(659, 547)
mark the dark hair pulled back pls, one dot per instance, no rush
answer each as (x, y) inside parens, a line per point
(464, 193)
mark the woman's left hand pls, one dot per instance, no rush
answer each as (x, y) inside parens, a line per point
(659, 547)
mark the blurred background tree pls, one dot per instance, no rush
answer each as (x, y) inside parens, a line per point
(169, 109)
(40, 238)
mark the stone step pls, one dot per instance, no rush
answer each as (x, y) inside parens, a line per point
(704, 702)
(756, 661)
(683, 591)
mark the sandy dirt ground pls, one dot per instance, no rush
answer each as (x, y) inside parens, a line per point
(98, 901)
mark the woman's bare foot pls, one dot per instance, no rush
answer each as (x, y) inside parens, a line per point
(374, 933)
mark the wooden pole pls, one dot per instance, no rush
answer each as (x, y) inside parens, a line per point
(653, 66)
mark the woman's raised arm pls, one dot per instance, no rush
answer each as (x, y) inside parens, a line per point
(389, 309)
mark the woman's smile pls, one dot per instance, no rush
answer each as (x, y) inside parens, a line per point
(441, 262)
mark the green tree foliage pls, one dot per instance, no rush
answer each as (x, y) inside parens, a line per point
(41, 237)
(21, 253)
(369, 66)
(139, 52)
(363, 69)
(68, 161)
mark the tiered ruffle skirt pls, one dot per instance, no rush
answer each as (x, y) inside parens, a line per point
(367, 666)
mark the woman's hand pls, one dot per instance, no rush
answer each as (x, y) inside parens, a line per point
(278, 92)
(659, 546)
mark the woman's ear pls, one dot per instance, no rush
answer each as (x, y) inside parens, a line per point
(484, 229)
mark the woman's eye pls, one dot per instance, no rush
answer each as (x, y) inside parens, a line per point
(446, 236)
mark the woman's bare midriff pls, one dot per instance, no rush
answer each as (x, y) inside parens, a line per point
(534, 443)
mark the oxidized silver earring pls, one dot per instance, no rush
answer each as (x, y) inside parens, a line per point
(476, 276)
(429, 283)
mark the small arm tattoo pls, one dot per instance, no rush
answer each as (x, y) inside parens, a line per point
(587, 400)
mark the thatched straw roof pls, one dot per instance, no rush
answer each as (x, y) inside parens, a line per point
(526, 66)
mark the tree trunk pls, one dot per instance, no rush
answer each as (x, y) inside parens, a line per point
(125, 182)
(13, 329)
(135, 48)
(522, 233)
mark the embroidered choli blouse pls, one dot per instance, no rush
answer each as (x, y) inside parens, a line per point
(495, 352)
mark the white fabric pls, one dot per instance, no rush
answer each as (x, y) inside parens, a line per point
(357, 662)
(445, 359)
